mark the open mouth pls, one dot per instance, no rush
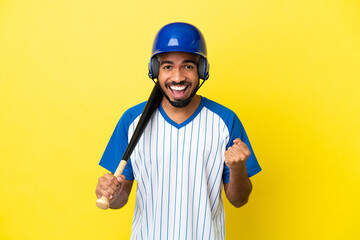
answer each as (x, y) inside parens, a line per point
(178, 91)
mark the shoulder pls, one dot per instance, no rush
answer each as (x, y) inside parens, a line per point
(228, 116)
(132, 113)
(218, 109)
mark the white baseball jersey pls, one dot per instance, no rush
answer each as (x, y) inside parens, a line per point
(180, 170)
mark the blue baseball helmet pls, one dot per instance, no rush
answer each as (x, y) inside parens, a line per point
(179, 37)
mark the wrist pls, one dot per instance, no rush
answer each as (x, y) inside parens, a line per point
(237, 167)
(239, 170)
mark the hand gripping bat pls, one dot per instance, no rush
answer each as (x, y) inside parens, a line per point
(151, 105)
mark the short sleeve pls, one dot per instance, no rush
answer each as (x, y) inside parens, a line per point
(116, 148)
(236, 130)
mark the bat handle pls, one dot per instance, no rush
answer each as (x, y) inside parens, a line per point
(103, 202)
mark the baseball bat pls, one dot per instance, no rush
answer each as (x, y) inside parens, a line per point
(151, 105)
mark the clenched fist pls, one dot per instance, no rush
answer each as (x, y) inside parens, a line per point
(109, 186)
(236, 155)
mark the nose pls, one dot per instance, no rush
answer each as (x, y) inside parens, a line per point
(178, 75)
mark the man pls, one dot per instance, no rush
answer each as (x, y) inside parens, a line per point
(191, 149)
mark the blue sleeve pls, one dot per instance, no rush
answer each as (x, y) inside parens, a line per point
(116, 148)
(237, 130)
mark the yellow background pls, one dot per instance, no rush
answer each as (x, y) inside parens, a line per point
(289, 69)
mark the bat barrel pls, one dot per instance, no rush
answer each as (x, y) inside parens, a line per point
(151, 105)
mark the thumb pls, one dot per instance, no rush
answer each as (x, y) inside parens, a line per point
(120, 179)
(237, 141)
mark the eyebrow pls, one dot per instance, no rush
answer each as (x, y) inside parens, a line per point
(166, 62)
(189, 61)
(171, 62)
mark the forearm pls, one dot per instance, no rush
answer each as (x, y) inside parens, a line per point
(239, 187)
(119, 201)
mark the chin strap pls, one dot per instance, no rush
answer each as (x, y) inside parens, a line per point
(179, 104)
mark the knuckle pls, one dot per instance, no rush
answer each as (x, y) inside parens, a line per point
(105, 194)
(108, 176)
(109, 192)
(108, 187)
(103, 182)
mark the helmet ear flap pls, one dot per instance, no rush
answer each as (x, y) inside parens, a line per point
(203, 68)
(154, 68)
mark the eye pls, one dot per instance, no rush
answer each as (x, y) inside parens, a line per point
(167, 67)
(189, 67)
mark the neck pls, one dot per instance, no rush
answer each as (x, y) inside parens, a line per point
(180, 115)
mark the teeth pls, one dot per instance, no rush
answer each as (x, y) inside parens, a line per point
(177, 88)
